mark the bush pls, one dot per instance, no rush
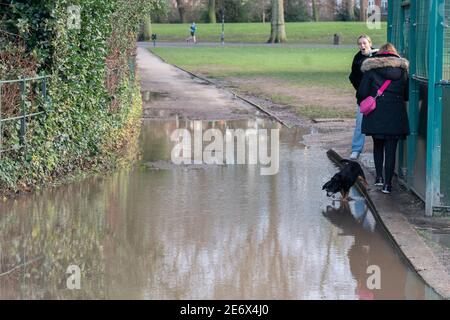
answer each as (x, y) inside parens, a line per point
(92, 86)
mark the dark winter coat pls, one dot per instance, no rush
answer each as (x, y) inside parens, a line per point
(390, 117)
(356, 75)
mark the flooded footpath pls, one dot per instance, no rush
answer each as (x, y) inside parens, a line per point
(220, 231)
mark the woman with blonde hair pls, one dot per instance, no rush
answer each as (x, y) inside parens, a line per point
(365, 51)
(388, 123)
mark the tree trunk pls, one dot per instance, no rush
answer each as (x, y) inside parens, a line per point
(315, 10)
(363, 9)
(278, 31)
(263, 11)
(181, 10)
(351, 9)
(212, 11)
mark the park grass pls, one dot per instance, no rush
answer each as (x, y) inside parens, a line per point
(297, 32)
(314, 82)
(306, 66)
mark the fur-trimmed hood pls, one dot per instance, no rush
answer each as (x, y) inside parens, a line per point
(379, 62)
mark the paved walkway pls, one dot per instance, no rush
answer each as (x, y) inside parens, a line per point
(168, 91)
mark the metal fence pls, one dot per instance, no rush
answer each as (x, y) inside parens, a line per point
(422, 34)
(424, 159)
(32, 102)
(395, 22)
(402, 20)
(446, 64)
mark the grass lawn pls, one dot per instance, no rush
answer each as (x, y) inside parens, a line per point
(321, 67)
(297, 32)
(312, 81)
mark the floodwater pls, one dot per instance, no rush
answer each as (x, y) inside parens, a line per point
(166, 231)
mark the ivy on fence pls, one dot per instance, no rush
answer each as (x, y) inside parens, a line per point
(94, 102)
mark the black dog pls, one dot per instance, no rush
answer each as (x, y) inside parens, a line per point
(345, 179)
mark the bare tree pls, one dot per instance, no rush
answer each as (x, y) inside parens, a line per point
(363, 8)
(278, 30)
(212, 11)
(315, 10)
(181, 5)
(350, 8)
(263, 9)
(329, 8)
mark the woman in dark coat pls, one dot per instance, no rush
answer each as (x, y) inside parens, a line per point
(388, 123)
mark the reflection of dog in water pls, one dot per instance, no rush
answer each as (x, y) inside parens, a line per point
(343, 218)
(345, 179)
(359, 253)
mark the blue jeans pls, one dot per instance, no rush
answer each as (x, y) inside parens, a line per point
(358, 137)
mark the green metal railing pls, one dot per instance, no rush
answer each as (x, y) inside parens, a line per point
(37, 87)
(446, 22)
(25, 114)
(422, 10)
(424, 160)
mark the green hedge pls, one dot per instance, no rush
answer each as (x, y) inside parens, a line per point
(94, 97)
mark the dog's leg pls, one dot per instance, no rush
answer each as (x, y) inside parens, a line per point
(347, 196)
(344, 195)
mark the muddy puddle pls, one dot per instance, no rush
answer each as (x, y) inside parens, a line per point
(202, 231)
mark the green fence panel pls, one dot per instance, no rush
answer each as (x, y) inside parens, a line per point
(397, 26)
(422, 34)
(446, 65)
(445, 163)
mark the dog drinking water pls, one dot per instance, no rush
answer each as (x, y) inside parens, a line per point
(345, 179)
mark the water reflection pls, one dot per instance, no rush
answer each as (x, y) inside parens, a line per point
(370, 248)
(214, 232)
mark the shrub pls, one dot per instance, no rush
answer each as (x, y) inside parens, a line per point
(92, 87)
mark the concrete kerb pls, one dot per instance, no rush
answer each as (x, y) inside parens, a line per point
(408, 243)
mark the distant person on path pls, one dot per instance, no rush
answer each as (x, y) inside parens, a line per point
(192, 29)
(365, 51)
(388, 123)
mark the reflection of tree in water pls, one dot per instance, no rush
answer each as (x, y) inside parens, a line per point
(370, 248)
(101, 226)
(128, 246)
(61, 232)
(155, 134)
(86, 224)
(222, 232)
(246, 236)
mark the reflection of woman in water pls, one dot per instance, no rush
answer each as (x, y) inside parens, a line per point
(370, 248)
